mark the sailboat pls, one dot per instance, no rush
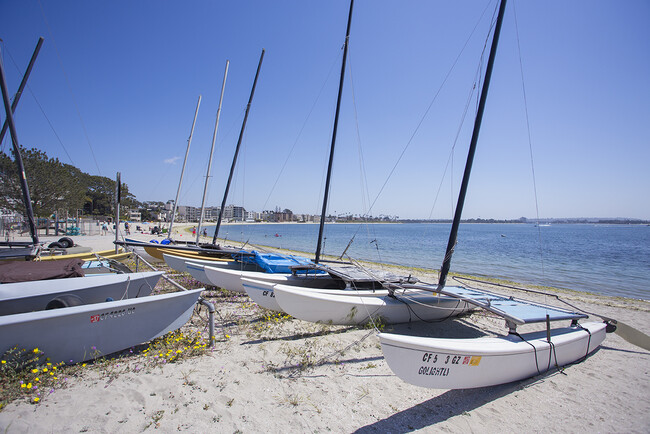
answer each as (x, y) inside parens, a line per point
(298, 271)
(468, 363)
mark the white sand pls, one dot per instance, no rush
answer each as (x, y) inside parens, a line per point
(250, 383)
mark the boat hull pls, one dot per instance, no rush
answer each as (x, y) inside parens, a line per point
(179, 262)
(35, 295)
(231, 279)
(80, 333)
(352, 308)
(468, 363)
(261, 293)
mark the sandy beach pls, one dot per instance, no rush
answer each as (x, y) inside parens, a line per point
(269, 373)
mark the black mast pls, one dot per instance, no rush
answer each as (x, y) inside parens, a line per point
(336, 123)
(472, 150)
(19, 160)
(22, 86)
(234, 160)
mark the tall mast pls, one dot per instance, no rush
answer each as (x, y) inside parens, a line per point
(336, 123)
(214, 139)
(180, 182)
(234, 160)
(444, 270)
(19, 160)
(118, 199)
(14, 104)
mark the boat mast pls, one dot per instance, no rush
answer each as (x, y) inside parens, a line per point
(118, 199)
(214, 139)
(336, 123)
(444, 270)
(234, 160)
(19, 160)
(180, 182)
(14, 104)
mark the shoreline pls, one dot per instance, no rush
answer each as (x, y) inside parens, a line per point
(98, 243)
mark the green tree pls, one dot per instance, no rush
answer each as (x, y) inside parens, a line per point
(55, 186)
(52, 184)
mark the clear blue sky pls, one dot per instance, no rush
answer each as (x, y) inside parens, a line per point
(129, 74)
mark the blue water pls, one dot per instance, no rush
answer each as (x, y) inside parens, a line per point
(604, 259)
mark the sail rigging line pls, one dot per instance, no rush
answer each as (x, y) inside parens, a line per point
(334, 131)
(365, 193)
(302, 128)
(74, 101)
(450, 160)
(444, 269)
(426, 112)
(363, 178)
(530, 143)
(38, 103)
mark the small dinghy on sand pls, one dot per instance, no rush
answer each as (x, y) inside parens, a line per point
(79, 333)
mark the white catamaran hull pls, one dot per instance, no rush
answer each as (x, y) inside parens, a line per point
(261, 293)
(231, 279)
(36, 295)
(79, 333)
(467, 363)
(179, 263)
(348, 308)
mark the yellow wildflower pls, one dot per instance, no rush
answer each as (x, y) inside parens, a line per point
(4, 361)
(36, 379)
(29, 385)
(34, 371)
(35, 350)
(22, 386)
(37, 399)
(83, 365)
(44, 369)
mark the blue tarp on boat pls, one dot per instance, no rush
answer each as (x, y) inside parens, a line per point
(276, 263)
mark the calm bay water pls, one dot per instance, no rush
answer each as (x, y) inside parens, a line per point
(605, 259)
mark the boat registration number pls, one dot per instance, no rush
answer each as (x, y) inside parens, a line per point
(112, 314)
(442, 360)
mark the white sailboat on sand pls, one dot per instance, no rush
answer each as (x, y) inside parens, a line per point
(296, 271)
(467, 363)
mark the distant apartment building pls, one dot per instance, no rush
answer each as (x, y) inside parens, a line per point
(234, 213)
(284, 216)
(188, 213)
(211, 213)
(135, 216)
